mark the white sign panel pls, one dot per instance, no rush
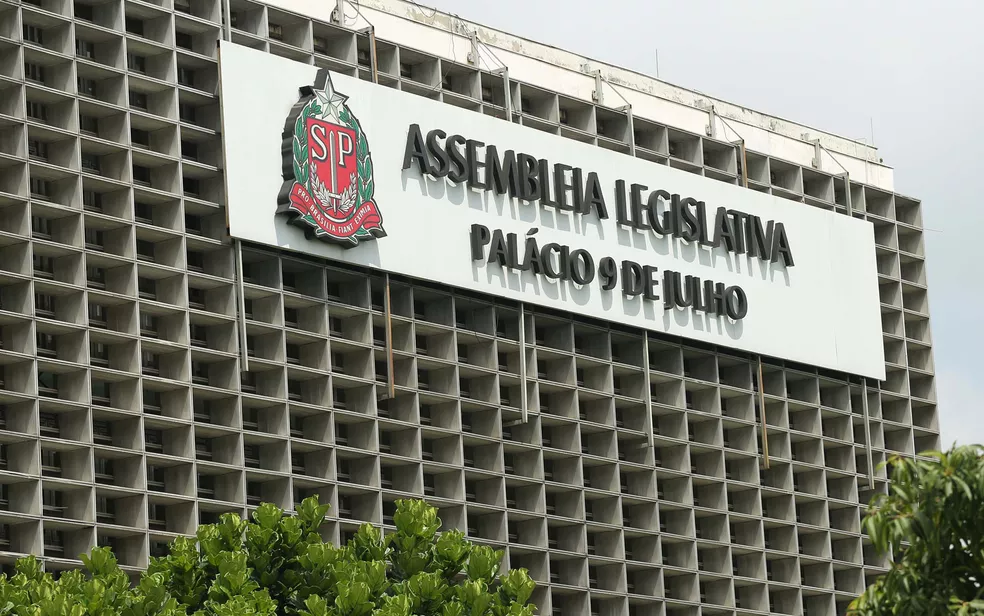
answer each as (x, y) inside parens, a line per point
(355, 172)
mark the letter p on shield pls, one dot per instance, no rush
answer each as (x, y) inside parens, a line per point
(345, 146)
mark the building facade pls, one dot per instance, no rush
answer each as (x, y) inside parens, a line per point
(157, 372)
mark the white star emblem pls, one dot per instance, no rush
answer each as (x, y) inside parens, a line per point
(330, 100)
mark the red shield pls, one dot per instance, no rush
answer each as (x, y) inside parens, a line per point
(334, 177)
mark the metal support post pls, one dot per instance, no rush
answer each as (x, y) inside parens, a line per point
(474, 58)
(847, 174)
(847, 194)
(711, 128)
(504, 72)
(374, 60)
(390, 377)
(765, 428)
(338, 15)
(649, 393)
(227, 22)
(598, 95)
(744, 163)
(522, 363)
(241, 301)
(867, 432)
(631, 119)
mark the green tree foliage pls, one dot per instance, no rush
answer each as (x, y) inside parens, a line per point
(278, 565)
(932, 522)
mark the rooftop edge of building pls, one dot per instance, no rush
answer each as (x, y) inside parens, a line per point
(571, 74)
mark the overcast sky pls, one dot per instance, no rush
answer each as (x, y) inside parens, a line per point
(912, 68)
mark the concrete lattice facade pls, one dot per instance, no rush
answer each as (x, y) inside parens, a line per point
(125, 420)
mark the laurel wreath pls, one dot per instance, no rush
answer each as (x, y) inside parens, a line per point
(363, 162)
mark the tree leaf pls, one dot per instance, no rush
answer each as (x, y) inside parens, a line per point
(277, 564)
(932, 525)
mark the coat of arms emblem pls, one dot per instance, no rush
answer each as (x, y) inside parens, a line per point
(328, 182)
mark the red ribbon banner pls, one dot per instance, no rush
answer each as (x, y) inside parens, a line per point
(366, 215)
